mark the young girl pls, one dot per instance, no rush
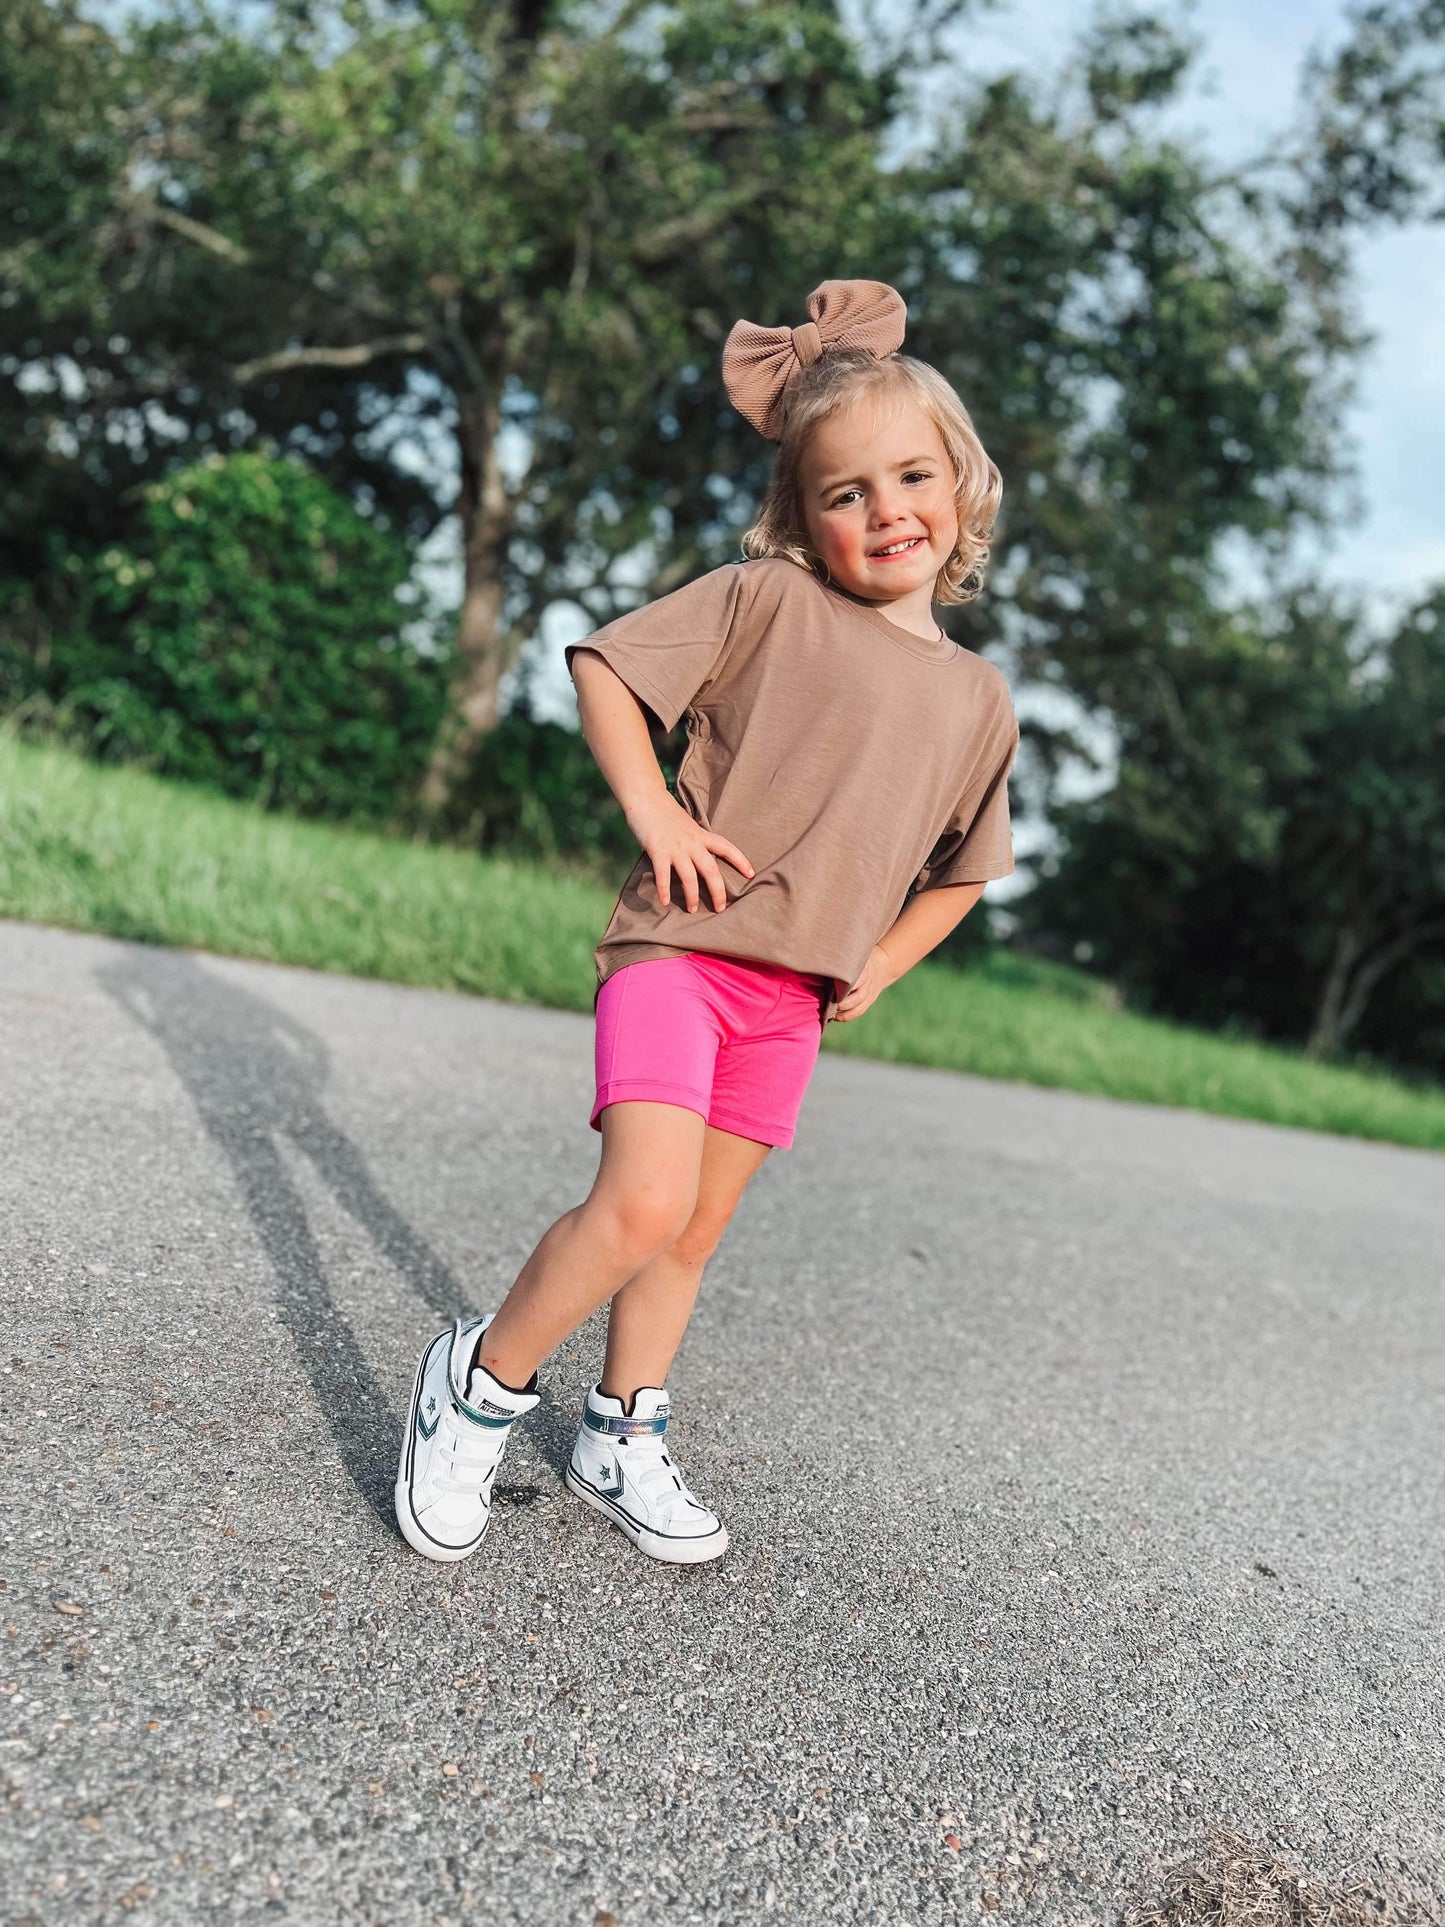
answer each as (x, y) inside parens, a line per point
(840, 750)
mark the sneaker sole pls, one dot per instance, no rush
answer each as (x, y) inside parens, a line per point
(412, 1530)
(672, 1552)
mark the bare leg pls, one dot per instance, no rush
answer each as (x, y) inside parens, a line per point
(643, 1197)
(650, 1313)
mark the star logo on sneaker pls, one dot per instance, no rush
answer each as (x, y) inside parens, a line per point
(608, 1489)
(421, 1419)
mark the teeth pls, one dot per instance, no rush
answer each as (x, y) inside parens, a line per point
(896, 548)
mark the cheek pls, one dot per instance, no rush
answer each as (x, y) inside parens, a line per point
(943, 520)
(838, 542)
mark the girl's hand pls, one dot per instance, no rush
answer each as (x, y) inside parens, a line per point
(877, 976)
(673, 841)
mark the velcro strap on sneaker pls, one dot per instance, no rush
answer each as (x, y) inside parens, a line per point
(486, 1414)
(625, 1428)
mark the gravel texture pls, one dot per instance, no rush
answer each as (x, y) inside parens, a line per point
(1082, 1462)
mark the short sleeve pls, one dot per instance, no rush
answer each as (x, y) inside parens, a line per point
(976, 844)
(669, 650)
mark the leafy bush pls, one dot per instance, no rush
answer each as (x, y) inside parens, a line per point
(248, 636)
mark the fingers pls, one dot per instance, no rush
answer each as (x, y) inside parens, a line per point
(687, 876)
(717, 889)
(662, 869)
(731, 851)
(696, 865)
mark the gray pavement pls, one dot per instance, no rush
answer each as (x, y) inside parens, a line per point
(1082, 1461)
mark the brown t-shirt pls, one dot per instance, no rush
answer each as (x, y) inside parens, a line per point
(846, 757)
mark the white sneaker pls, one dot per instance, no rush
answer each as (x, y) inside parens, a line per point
(453, 1445)
(620, 1466)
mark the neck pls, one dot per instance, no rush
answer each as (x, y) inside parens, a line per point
(913, 611)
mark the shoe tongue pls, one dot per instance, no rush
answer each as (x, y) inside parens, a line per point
(650, 1403)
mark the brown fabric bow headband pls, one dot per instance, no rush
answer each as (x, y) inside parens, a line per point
(758, 363)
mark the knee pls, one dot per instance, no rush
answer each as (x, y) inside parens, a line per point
(648, 1218)
(699, 1239)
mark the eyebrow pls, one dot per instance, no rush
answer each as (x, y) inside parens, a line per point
(913, 461)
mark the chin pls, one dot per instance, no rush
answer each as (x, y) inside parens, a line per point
(896, 581)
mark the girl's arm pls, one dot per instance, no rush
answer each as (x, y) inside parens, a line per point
(924, 922)
(615, 730)
(921, 924)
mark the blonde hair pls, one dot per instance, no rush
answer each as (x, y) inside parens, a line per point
(834, 381)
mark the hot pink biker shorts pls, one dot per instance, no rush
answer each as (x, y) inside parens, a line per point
(734, 1039)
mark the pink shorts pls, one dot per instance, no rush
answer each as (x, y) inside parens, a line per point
(734, 1039)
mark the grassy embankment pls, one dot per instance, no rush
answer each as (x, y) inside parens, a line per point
(126, 854)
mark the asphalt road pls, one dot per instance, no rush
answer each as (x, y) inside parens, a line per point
(1082, 1462)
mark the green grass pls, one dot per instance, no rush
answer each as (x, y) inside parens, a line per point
(130, 855)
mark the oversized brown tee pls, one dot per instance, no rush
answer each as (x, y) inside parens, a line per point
(846, 757)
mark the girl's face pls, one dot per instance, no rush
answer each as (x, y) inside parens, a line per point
(878, 500)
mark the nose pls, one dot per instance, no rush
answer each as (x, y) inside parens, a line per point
(887, 509)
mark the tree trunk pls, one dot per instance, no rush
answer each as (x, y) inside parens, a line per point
(1326, 1032)
(485, 512)
(1355, 973)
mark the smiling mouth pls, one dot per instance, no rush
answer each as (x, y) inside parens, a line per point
(896, 549)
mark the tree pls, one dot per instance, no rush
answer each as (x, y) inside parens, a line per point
(1276, 853)
(1377, 109)
(515, 224)
(1370, 833)
(526, 229)
(1156, 355)
(1269, 852)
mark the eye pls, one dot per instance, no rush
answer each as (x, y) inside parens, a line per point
(841, 501)
(919, 475)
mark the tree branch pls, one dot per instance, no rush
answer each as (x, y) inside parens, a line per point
(214, 242)
(197, 231)
(353, 357)
(677, 236)
(1277, 156)
(1352, 1002)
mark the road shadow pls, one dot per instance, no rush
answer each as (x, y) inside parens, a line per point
(256, 1078)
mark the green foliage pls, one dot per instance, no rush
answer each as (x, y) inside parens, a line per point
(1154, 361)
(472, 217)
(1378, 101)
(1275, 842)
(249, 637)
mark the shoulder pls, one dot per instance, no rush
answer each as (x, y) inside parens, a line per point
(750, 592)
(775, 568)
(986, 679)
(747, 580)
(990, 701)
(774, 578)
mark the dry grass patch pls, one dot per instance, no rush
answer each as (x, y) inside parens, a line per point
(1235, 1883)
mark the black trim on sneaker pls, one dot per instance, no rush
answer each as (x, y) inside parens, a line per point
(682, 1538)
(446, 1544)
